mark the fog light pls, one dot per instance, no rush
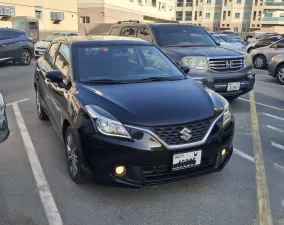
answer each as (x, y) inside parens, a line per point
(120, 170)
(223, 152)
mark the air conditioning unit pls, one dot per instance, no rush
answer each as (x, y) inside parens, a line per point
(7, 11)
(57, 16)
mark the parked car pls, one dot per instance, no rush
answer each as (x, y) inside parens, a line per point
(276, 68)
(235, 37)
(15, 46)
(4, 128)
(229, 72)
(258, 36)
(261, 56)
(228, 42)
(41, 46)
(146, 123)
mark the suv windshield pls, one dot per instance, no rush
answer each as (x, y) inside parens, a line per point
(52, 37)
(218, 38)
(228, 39)
(168, 36)
(125, 63)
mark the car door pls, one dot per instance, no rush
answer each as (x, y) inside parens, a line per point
(2, 42)
(275, 49)
(44, 65)
(58, 92)
(11, 44)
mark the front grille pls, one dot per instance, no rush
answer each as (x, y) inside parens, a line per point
(172, 136)
(226, 65)
(41, 48)
(164, 173)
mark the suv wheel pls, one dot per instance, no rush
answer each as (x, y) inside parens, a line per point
(259, 62)
(280, 75)
(73, 156)
(26, 58)
(40, 110)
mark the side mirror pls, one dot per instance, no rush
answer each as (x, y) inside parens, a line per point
(54, 76)
(218, 43)
(185, 69)
(4, 128)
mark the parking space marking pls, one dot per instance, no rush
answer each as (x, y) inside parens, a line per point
(45, 194)
(22, 100)
(244, 155)
(272, 116)
(275, 128)
(262, 104)
(264, 212)
(279, 168)
(277, 145)
(272, 85)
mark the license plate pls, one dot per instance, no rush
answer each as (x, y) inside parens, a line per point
(186, 160)
(40, 52)
(234, 86)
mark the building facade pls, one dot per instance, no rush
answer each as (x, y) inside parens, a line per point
(233, 15)
(53, 15)
(96, 16)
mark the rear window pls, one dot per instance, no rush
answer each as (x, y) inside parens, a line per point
(12, 34)
(115, 31)
(182, 36)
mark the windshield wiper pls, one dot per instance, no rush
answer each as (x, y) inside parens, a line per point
(153, 79)
(105, 81)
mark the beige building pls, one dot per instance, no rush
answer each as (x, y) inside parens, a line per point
(233, 15)
(53, 15)
(96, 16)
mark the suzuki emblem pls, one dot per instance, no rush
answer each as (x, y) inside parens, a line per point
(185, 134)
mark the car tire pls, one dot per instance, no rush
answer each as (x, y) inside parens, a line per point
(280, 75)
(40, 110)
(259, 62)
(73, 156)
(25, 58)
(249, 50)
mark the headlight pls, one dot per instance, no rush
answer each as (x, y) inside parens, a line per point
(2, 105)
(106, 123)
(195, 62)
(227, 114)
(248, 60)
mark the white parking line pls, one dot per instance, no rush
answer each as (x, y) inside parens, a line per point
(277, 145)
(22, 100)
(244, 99)
(272, 116)
(45, 194)
(275, 128)
(244, 155)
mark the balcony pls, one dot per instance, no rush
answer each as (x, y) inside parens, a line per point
(179, 4)
(274, 5)
(189, 4)
(273, 20)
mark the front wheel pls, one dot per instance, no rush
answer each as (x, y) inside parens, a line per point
(280, 75)
(73, 156)
(259, 62)
(40, 110)
(26, 57)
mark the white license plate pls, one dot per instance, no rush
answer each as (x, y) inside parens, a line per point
(186, 160)
(40, 52)
(234, 86)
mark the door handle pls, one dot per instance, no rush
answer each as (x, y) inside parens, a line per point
(19, 42)
(3, 45)
(47, 81)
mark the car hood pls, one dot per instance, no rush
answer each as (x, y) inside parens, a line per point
(236, 46)
(151, 104)
(43, 44)
(202, 51)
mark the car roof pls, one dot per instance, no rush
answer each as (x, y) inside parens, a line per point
(153, 25)
(11, 29)
(104, 39)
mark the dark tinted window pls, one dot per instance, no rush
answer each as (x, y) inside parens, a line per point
(128, 32)
(11, 34)
(115, 31)
(50, 54)
(63, 59)
(144, 33)
(182, 36)
(228, 39)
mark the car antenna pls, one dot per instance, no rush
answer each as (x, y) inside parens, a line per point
(86, 31)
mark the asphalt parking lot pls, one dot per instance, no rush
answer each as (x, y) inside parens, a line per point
(228, 197)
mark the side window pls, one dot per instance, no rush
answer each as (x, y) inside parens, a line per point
(50, 54)
(144, 33)
(11, 34)
(115, 31)
(63, 59)
(280, 44)
(128, 32)
(154, 59)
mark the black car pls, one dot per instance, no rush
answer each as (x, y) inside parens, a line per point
(128, 115)
(228, 72)
(15, 45)
(4, 128)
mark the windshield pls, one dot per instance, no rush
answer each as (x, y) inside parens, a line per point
(125, 63)
(228, 39)
(182, 36)
(52, 37)
(219, 38)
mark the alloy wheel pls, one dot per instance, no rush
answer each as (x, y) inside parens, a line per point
(280, 75)
(72, 157)
(259, 62)
(26, 57)
(38, 105)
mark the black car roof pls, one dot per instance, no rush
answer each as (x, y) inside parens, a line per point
(10, 29)
(103, 39)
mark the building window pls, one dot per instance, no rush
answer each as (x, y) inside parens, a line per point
(225, 4)
(246, 15)
(196, 3)
(258, 25)
(256, 2)
(259, 16)
(208, 1)
(248, 1)
(195, 15)
(228, 25)
(224, 15)
(229, 14)
(38, 12)
(217, 15)
(207, 15)
(179, 16)
(188, 3)
(85, 19)
(244, 29)
(269, 14)
(254, 15)
(239, 1)
(154, 3)
(281, 14)
(188, 16)
(200, 13)
(218, 2)
(237, 15)
(236, 29)
(253, 25)
(179, 3)
(140, 2)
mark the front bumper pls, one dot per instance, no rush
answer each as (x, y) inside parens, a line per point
(147, 161)
(38, 52)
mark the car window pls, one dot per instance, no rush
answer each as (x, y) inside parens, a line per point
(182, 36)
(128, 32)
(218, 38)
(52, 37)
(50, 54)
(11, 34)
(129, 63)
(228, 39)
(115, 31)
(145, 34)
(63, 59)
